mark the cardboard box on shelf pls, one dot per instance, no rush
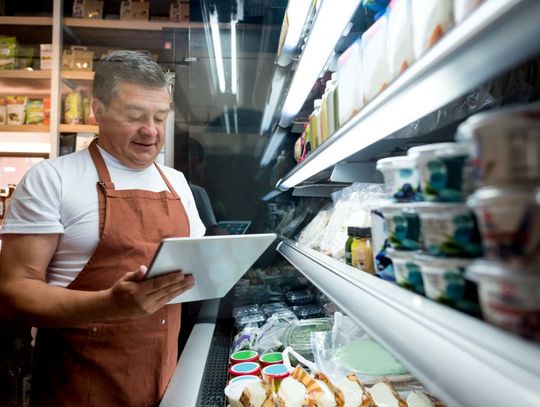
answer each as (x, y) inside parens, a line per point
(88, 8)
(179, 11)
(134, 10)
(77, 58)
(45, 56)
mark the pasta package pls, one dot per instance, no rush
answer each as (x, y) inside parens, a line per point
(73, 108)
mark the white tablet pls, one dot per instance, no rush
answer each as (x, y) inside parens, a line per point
(216, 262)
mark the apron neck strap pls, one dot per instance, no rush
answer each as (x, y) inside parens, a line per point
(171, 189)
(101, 167)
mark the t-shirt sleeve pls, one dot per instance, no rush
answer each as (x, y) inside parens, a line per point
(35, 204)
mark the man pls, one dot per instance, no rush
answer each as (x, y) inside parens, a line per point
(80, 231)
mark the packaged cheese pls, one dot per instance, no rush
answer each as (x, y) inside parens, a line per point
(431, 19)
(399, 36)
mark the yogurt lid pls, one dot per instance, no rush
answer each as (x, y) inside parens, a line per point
(431, 149)
(248, 378)
(244, 355)
(489, 195)
(400, 161)
(272, 357)
(444, 263)
(484, 270)
(278, 371)
(245, 368)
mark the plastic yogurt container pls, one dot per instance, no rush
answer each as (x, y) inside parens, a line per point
(274, 374)
(406, 270)
(246, 378)
(234, 391)
(244, 356)
(509, 222)
(271, 358)
(379, 241)
(509, 296)
(245, 368)
(401, 179)
(444, 171)
(443, 278)
(448, 230)
(402, 226)
(504, 145)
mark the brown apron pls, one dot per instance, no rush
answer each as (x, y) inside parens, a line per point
(124, 363)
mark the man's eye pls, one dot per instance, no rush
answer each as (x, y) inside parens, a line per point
(159, 120)
(134, 119)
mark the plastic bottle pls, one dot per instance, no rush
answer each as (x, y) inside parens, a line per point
(361, 250)
(351, 231)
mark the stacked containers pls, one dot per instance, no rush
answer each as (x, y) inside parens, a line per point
(432, 241)
(504, 146)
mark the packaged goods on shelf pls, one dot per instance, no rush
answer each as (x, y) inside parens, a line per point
(25, 58)
(401, 179)
(375, 66)
(8, 52)
(431, 19)
(46, 110)
(406, 270)
(349, 83)
(88, 9)
(16, 109)
(403, 226)
(399, 36)
(330, 103)
(463, 8)
(73, 107)
(3, 110)
(77, 58)
(179, 11)
(134, 10)
(45, 56)
(35, 112)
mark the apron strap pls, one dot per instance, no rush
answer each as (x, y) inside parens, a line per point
(101, 167)
(171, 189)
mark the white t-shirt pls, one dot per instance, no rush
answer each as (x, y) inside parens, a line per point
(60, 196)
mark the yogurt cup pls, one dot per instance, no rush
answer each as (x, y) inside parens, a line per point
(504, 145)
(379, 240)
(247, 378)
(274, 374)
(443, 278)
(509, 223)
(402, 226)
(401, 179)
(448, 230)
(234, 390)
(245, 368)
(509, 296)
(406, 270)
(444, 171)
(244, 356)
(271, 358)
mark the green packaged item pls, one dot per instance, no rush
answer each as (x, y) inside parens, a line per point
(8, 52)
(34, 111)
(25, 57)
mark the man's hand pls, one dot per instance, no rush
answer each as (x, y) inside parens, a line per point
(134, 297)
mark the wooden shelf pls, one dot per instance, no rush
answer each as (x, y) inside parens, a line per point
(24, 74)
(79, 128)
(127, 24)
(26, 128)
(83, 75)
(9, 20)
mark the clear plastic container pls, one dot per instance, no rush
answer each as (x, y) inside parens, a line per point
(448, 230)
(401, 180)
(298, 334)
(509, 296)
(444, 169)
(509, 222)
(299, 297)
(308, 311)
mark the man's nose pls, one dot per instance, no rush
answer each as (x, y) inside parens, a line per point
(149, 128)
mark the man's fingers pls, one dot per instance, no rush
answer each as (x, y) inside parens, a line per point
(137, 275)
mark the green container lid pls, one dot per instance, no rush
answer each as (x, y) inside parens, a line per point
(244, 356)
(271, 358)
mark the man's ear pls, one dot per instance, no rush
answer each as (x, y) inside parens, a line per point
(98, 109)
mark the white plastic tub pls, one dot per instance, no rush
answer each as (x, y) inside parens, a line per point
(444, 171)
(509, 223)
(402, 226)
(509, 297)
(443, 278)
(401, 179)
(504, 145)
(406, 270)
(448, 230)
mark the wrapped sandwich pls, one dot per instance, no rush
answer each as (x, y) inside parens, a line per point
(384, 395)
(249, 394)
(419, 399)
(353, 391)
(298, 390)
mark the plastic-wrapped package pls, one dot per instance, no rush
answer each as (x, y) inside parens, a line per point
(270, 309)
(312, 230)
(399, 36)
(375, 68)
(270, 336)
(431, 19)
(463, 8)
(349, 83)
(308, 311)
(299, 297)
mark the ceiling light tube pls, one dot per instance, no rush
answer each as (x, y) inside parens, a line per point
(278, 81)
(216, 42)
(273, 145)
(329, 24)
(297, 12)
(234, 61)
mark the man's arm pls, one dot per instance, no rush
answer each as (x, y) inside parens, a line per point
(26, 297)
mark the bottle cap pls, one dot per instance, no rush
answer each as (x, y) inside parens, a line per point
(363, 232)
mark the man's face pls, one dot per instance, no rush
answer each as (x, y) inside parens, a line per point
(132, 126)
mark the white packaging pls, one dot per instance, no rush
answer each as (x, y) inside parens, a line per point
(399, 36)
(463, 8)
(406, 270)
(349, 83)
(401, 180)
(431, 19)
(504, 145)
(375, 68)
(45, 56)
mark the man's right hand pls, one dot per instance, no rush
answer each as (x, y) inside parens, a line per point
(133, 297)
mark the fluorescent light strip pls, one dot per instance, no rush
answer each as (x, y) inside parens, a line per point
(329, 24)
(227, 122)
(297, 12)
(234, 61)
(216, 42)
(278, 82)
(271, 148)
